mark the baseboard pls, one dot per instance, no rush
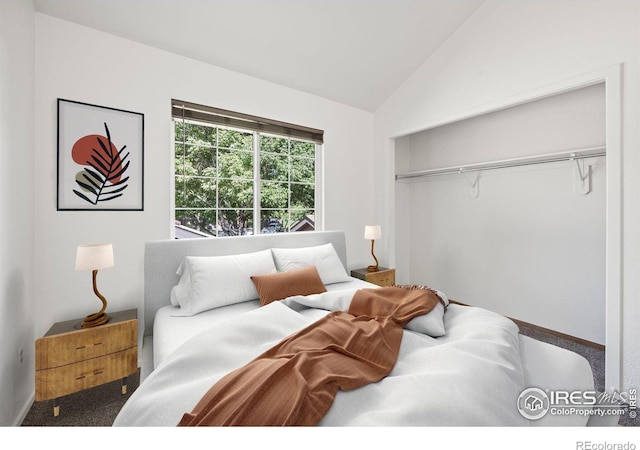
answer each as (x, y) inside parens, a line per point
(548, 331)
(25, 410)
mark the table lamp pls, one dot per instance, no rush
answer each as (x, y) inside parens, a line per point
(372, 232)
(94, 257)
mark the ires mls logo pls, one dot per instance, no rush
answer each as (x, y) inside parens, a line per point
(534, 403)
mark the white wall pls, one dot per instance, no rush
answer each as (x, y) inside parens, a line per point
(81, 64)
(529, 246)
(507, 49)
(16, 204)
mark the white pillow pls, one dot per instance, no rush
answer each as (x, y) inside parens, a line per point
(324, 257)
(209, 282)
(183, 288)
(432, 323)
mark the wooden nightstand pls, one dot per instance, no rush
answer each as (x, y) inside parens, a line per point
(382, 277)
(70, 358)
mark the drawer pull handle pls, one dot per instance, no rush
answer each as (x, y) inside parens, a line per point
(94, 373)
(88, 346)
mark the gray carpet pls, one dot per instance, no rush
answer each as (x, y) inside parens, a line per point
(99, 406)
(95, 407)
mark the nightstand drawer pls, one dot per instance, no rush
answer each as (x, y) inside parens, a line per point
(70, 358)
(65, 380)
(67, 348)
(385, 278)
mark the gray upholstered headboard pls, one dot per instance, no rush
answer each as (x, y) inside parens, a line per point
(162, 258)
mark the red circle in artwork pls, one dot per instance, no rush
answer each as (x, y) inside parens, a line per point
(88, 147)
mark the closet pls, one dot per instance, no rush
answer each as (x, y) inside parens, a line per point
(507, 211)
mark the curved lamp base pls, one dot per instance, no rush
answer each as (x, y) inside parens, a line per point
(373, 268)
(99, 318)
(94, 320)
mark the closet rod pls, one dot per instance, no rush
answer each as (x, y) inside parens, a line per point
(513, 162)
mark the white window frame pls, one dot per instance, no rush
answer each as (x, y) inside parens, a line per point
(257, 229)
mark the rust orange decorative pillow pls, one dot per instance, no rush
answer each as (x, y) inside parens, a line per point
(278, 286)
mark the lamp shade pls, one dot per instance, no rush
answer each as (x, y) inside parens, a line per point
(94, 256)
(372, 232)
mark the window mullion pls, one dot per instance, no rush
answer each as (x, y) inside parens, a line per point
(289, 185)
(257, 225)
(217, 163)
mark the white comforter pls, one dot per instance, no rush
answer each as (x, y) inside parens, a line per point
(471, 376)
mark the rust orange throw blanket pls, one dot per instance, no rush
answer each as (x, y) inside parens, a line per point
(295, 382)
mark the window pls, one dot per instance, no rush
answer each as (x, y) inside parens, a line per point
(237, 174)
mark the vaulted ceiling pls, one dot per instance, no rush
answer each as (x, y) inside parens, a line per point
(356, 52)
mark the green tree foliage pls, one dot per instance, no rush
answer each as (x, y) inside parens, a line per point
(214, 190)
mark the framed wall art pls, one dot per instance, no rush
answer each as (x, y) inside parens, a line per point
(100, 158)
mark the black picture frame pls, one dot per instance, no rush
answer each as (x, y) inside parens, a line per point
(100, 158)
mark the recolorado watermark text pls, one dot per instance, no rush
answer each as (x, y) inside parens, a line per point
(589, 445)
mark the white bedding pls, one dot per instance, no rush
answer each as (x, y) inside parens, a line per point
(471, 376)
(452, 376)
(171, 330)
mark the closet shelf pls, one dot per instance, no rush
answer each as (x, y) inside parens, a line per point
(513, 162)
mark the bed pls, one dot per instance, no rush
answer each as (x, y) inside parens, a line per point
(457, 365)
